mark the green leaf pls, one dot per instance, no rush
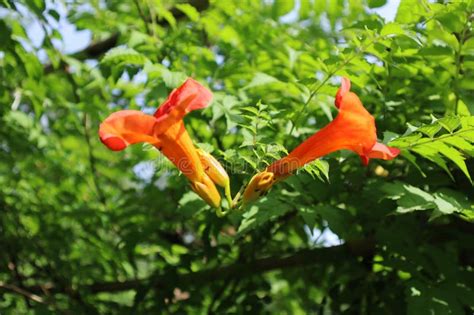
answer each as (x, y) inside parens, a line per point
(318, 168)
(461, 144)
(338, 219)
(189, 10)
(123, 55)
(453, 155)
(282, 7)
(305, 9)
(266, 210)
(432, 153)
(392, 29)
(412, 159)
(409, 11)
(230, 35)
(453, 146)
(168, 16)
(446, 205)
(173, 79)
(38, 6)
(260, 79)
(226, 105)
(430, 130)
(377, 3)
(409, 198)
(450, 123)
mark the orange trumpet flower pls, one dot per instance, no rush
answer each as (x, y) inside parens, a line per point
(166, 131)
(353, 129)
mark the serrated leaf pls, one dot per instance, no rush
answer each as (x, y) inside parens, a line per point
(409, 11)
(189, 10)
(318, 168)
(392, 29)
(444, 205)
(450, 146)
(461, 144)
(267, 209)
(430, 130)
(282, 7)
(376, 3)
(309, 215)
(169, 17)
(247, 127)
(249, 161)
(308, 81)
(123, 55)
(433, 155)
(249, 118)
(450, 123)
(453, 155)
(260, 79)
(305, 9)
(406, 141)
(409, 198)
(173, 79)
(412, 159)
(253, 110)
(467, 135)
(414, 199)
(225, 105)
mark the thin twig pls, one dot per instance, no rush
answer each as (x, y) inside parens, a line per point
(142, 16)
(77, 99)
(327, 255)
(151, 9)
(23, 292)
(92, 161)
(458, 61)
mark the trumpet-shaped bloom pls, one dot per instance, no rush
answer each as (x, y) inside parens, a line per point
(353, 129)
(166, 131)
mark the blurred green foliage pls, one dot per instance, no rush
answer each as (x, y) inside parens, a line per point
(84, 230)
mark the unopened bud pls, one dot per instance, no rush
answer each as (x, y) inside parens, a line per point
(216, 172)
(207, 191)
(213, 168)
(258, 186)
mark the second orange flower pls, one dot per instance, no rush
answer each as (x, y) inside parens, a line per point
(353, 129)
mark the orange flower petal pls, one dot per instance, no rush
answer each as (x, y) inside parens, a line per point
(127, 127)
(188, 97)
(380, 151)
(177, 146)
(343, 90)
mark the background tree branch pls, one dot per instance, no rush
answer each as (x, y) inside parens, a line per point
(98, 48)
(320, 256)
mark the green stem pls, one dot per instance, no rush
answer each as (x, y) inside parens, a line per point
(228, 195)
(458, 61)
(142, 16)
